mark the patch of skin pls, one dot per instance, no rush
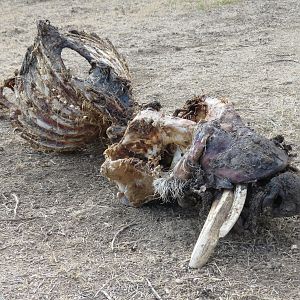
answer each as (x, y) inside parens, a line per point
(283, 195)
(225, 148)
(276, 197)
(232, 153)
(241, 155)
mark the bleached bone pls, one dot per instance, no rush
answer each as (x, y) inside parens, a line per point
(161, 129)
(134, 180)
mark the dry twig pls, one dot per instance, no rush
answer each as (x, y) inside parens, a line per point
(118, 232)
(156, 295)
(104, 293)
(17, 204)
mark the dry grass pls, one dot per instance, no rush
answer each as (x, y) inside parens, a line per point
(205, 4)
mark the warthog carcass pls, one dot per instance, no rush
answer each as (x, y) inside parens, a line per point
(204, 153)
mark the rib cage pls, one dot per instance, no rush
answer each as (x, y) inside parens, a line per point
(55, 110)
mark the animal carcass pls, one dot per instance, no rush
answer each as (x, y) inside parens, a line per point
(204, 153)
(55, 109)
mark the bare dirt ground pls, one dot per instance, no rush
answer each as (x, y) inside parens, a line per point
(60, 246)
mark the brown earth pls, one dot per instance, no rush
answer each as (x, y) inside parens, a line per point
(60, 244)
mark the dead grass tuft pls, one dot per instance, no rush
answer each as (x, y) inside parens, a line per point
(206, 4)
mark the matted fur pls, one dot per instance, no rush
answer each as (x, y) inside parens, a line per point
(169, 188)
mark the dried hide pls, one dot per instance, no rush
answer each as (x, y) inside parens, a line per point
(56, 110)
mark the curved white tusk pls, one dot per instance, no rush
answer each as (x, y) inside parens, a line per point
(209, 235)
(240, 195)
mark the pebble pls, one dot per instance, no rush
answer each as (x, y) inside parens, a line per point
(294, 247)
(178, 280)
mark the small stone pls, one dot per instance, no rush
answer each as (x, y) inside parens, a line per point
(294, 247)
(134, 248)
(178, 280)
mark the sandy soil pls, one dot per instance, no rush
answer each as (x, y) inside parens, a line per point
(60, 246)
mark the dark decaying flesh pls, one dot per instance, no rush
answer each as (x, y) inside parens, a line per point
(56, 110)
